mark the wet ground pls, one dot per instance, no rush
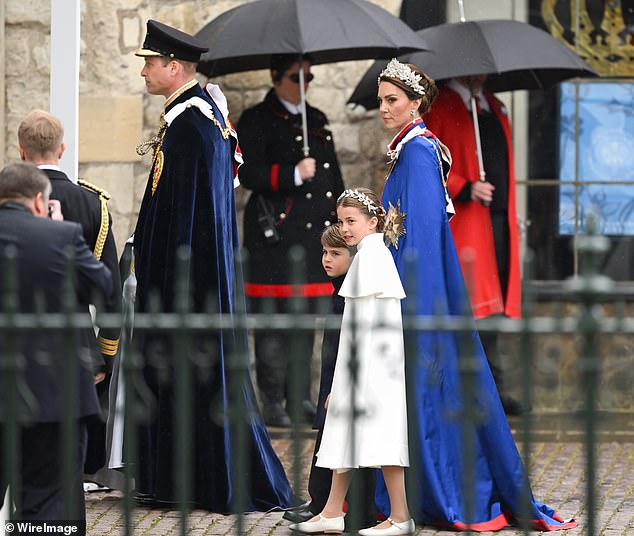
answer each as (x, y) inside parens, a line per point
(557, 468)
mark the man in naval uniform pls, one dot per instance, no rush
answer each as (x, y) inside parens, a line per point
(189, 206)
(41, 142)
(293, 198)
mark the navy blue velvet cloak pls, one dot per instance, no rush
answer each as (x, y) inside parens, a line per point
(193, 205)
(436, 435)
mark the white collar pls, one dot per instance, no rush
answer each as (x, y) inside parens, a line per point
(369, 239)
(50, 166)
(415, 131)
(295, 109)
(465, 95)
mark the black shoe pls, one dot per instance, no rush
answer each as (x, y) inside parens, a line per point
(143, 499)
(275, 415)
(512, 406)
(298, 516)
(308, 410)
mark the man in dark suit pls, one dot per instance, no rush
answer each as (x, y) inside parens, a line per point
(40, 142)
(56, 372)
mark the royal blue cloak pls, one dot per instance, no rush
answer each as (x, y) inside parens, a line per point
(436, 433)
(193, 205)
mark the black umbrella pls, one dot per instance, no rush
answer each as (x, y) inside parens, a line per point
(245, 38)
(513, 54)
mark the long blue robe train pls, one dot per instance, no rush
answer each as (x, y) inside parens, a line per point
(189, 202)
(437, 437)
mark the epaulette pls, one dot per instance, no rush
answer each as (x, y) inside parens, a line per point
(104, 224)
(94, 188)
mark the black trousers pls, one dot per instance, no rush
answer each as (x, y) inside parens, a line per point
(319, 487)
(41, 496)
(499, 221)
(282, 358)
(285, 356)
(96, 429)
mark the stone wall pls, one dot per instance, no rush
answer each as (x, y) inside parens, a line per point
(557, 364)
(116, 113)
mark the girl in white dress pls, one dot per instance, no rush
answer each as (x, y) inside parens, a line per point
(369, 374)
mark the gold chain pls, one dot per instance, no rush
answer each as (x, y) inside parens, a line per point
(155, 141)
(392, 163)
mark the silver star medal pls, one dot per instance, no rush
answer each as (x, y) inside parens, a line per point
(394, 225)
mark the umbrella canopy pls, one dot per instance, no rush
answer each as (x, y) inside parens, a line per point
(244, 38)
(514, 54)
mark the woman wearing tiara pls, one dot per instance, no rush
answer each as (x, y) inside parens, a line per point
(419, 209)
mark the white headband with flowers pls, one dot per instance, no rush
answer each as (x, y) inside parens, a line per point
(362, 198)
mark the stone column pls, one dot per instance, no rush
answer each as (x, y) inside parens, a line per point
(3, 129)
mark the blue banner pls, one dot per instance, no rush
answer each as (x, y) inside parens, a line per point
(605, 153)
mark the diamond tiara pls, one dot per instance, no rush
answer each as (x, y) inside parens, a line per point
(361, 197)
(396, 69)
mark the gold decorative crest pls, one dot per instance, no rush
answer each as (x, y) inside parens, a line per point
(158, 169)
(604, 40)
(394, 225)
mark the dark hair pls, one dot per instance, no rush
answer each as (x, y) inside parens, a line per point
(23, 181)
(426, 81)
(280, 63)
(349, 201)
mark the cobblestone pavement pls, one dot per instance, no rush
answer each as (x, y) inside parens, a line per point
(558, 477)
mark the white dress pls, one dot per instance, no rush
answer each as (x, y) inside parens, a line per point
(371, 318)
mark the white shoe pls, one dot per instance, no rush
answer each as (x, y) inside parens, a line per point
(327, 525)
(395, 529)
(90, 486)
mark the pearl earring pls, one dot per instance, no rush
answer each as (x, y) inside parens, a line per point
(412, 113)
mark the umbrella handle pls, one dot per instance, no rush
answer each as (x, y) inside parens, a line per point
(476, 131)
(302, 107)
(461, 11)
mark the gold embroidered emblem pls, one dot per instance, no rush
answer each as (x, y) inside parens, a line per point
(394, 225)
(158, 169)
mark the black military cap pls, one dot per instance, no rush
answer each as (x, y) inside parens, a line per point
(163, 40)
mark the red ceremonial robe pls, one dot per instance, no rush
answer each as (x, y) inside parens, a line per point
(471, 227)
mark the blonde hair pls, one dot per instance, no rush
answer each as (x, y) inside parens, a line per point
(366, 201)
(40, 134)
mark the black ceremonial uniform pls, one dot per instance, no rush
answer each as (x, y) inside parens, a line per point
(271, 142)
(85, 204)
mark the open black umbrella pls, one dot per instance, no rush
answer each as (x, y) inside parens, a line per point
(245, 38)
(513, 54)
